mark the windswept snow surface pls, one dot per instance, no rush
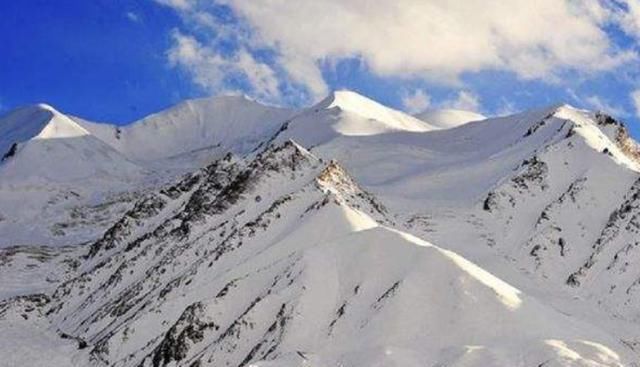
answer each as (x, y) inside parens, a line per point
(307, 243)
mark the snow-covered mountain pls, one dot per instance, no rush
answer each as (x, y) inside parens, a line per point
(346, 233)
(203, 128)
(50, 164)
(75, 176)
(344, 115)
(41, 145)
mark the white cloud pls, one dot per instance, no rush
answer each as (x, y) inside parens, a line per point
(506, 108)
(416, 101)
(437, 39)
(635, 98)
(464, 100)
(420, 101)
(626, 13)
(429, 39)
(211, 70)
(597, 103)
(260, 76)
(132, 16)
(178, 4)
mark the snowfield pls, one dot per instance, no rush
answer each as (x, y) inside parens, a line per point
(222, 232)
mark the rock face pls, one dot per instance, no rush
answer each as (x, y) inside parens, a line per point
(11, 152)
(277, 254)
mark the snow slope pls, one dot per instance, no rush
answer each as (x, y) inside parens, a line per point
(35, 122)
(283, 260)
(449, 118)
(52, 148)
(210, 126)
(66, 178)
(347, 114)
(562, 209)
(53, 172)
(26, 337)
(446, 168)
(532, 192)
(381, 118)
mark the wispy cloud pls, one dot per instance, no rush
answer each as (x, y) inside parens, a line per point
(505, 108)
(178, 4)
(416, 101)
(134, 17)
(635, 99)
(598, 103)
(463, 100)
(419, 100)
(212, 70)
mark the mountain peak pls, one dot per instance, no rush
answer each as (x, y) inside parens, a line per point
(351, 101)
(34, 108)
(346, 113)
(562, 107)
(45, 107)
(38, 121)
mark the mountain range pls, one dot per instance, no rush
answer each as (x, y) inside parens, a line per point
(224, 232)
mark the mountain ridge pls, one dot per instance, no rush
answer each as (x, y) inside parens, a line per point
(335, 234)
(94, 306)
(39, 121)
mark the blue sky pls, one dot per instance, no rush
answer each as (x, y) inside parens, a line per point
(117, 61)
(89, 58)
